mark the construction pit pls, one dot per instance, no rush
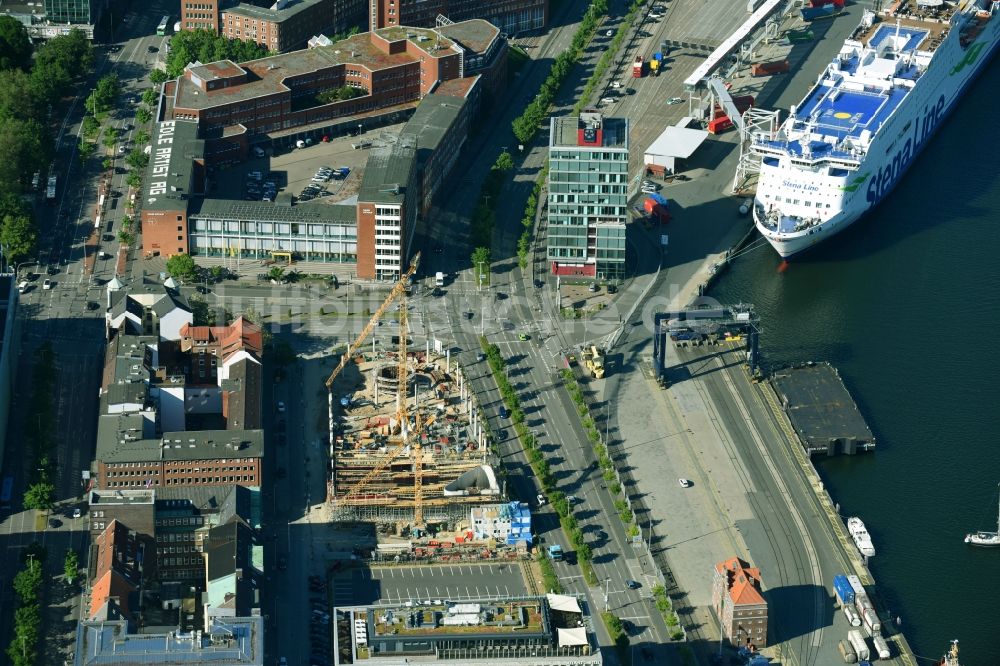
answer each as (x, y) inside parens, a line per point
(412, 459)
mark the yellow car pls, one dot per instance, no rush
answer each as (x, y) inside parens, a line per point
(523, 337)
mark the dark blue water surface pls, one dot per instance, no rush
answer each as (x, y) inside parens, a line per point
(906, 304)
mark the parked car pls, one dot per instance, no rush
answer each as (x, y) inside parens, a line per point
(47, 285)
(632, 584)
(281, 406)
(684, 483)
(77, 512)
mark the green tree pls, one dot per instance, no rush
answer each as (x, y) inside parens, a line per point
(90, 127)
(149, 96)
(505, 162)
(341, 94)
(110, 137)
(58, 62)
(108, 89)
(277, 273)
(143, 115)
(15, 46)
(205, 46)
(85, 150)
(481, 255)
(133, 179)
(39, 495)
(17, 97)
(158, 76)
(18, 236)
(182, 266)
(141, 137)
(26, 146)
(28, 582)
(137, 159)
(71, 565)
(125, 238)
(107, 163)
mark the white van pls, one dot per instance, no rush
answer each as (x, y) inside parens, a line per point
(439, 279)
(23, 287)
(300, 144)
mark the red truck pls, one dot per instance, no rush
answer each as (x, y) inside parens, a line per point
(637, 66)
(720, 122)
(654, 209)
(769, 68)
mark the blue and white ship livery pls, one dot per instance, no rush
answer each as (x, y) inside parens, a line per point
(845, 146)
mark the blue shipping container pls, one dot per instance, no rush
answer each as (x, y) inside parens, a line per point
(658, 198)
(842, 588)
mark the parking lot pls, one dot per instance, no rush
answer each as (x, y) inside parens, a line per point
(293, 171)
(399, 584)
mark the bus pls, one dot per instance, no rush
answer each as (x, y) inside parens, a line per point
(6, 492)
(161, 29)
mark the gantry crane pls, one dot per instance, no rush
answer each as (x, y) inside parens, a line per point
(402, 413)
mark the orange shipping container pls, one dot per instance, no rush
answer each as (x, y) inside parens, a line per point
(768, 68)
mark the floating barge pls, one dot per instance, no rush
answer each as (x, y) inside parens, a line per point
(821, 410)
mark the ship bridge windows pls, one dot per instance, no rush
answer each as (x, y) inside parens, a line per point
(770, 161)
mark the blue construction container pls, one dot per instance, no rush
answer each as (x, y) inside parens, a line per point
(842, 588)
(658, 198)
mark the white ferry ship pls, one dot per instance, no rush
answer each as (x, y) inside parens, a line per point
(845, 146)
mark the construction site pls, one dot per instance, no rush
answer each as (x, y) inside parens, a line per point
(408, 448)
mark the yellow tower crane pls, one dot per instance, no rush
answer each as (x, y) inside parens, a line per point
(396, 292)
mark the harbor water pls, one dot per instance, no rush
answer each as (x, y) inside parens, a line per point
(906, 304)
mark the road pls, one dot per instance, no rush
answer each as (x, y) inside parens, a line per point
(61, 317)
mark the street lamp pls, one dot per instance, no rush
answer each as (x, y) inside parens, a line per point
(481, 275)
(607, 606)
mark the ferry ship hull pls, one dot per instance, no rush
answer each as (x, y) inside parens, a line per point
(903, 136)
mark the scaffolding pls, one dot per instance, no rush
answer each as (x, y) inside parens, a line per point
(374, 469)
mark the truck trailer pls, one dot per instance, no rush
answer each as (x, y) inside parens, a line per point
(637, 67)
(858, 643)
(769, 68)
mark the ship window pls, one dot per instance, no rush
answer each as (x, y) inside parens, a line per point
(809, 203)
(796, 202)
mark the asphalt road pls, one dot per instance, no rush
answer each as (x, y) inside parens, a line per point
(61, 316)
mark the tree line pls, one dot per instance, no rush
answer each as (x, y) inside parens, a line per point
(32, 82)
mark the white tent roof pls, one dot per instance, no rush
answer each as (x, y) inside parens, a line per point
(171, 283)
(115, 284)
(563, 602)
(574, 636)
(676, 142)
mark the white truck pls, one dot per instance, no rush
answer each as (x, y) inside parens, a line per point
(857, 640)
(439, 279)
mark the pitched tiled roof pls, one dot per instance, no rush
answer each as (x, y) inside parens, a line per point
(742, 581)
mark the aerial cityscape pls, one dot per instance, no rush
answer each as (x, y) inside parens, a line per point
(526, 332)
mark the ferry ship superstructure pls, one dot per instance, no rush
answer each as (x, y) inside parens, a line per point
(845, 146)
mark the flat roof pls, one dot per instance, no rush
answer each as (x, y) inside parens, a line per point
(236, 209)
(677, 142)
(119, 440)
(286, 11)
(266, 76)
(432, 120)
(565, 130)
(387, 173)
(171, 163)
(475, 35)
(230, 640)
(124, 496)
